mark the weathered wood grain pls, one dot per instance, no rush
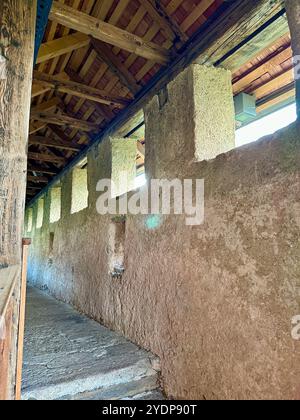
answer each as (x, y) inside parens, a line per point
(73, 19)
(17, 23)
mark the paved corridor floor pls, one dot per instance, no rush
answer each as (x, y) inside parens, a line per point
(68, 356)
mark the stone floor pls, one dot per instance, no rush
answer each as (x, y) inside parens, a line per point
(70, 357)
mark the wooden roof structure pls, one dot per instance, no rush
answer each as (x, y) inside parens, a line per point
(99, 57)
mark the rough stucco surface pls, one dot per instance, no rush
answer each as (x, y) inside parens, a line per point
(80, 191)
(196, 123)
(214, 113)
(215, 301)
(123, 164)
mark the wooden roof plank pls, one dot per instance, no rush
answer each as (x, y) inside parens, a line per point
(61, 119)
(79, 89)
(198, 11)
(263, 40)
(274, 84)
(62, 46)
(116, 66)
(37, 179)
(162, 17)
(50, 142)
(43, 157)
(41, 170)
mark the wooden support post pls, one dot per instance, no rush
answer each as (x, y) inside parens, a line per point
(293, 15)
(9, 277)
(25, 245)
(17, 23)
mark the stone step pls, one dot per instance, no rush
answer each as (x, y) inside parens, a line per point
(125, 391)
(68, 356)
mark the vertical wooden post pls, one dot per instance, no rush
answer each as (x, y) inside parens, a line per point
(26, 244)
(17, 31)
(293, 15)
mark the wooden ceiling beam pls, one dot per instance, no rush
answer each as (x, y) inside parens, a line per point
(35, 126)
(40, 170)
(73, 19)
(59, 133)
(78, 89)
(43, 157)
(39, 89)
(278, 98)
(61, 46)
(38, 179)
(104, 111)
(50, 142)
(159, 14)
(32, 191)
(262, 40)
(50, 105)
(275, 84)
(209, 45)
(116, 66)
(62, 119)
(253, 74)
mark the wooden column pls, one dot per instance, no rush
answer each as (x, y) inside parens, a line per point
(17, 31)
(26, 243)
(293, 15)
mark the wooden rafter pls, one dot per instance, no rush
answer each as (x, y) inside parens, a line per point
(61, 119)
(50, 105)
(265, 38)
(116, 66)
(108, 33)
(43, 157)
(221, 42)
(40, 170)
(275, 84)
(59, 133)
(50, 142)
(43, 107)
(104, 111)
(35, 126)
(254, 73)
(32, 191)
(62, 46)
(159, 14)
(288, 93)
(78, 89)
(38, 179)
(39, 89)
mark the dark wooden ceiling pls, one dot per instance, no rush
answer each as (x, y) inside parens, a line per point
(81, 83)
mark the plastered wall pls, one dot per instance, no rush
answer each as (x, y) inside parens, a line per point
(215, 302)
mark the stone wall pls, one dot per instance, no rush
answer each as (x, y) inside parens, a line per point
(214, 302)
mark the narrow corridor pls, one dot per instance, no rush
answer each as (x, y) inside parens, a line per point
(70, 357)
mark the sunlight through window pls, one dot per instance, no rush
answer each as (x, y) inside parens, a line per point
(266, 125)
(140, 181)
